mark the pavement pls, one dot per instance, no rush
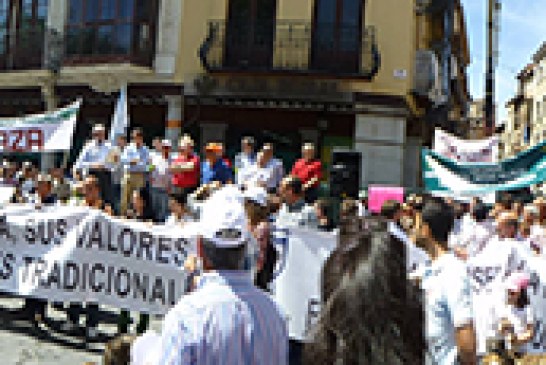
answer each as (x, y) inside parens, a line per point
(23, 343)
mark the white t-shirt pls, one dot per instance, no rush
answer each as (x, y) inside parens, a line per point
(161, 177)
(448, 306)
(256, 176)
(488, 271)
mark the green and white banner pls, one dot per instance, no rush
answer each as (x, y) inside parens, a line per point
(47, 132)
(444, 176)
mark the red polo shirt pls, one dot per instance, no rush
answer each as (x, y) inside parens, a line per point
(306, 170)
(190, 178)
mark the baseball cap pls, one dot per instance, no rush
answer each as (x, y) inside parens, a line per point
(185, 140)
(517, 281)
(308, 146)
(256, 194)
(223, 219)
(166, 143)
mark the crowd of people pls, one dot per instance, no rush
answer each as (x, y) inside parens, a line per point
(403, 286)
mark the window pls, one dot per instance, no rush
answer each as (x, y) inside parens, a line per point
(250, 33)
(337, 35)
(111, 30)
(4, 17)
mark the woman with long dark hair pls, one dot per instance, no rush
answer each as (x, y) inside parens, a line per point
(371, 313)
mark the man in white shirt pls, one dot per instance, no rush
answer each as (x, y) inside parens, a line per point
(245, 159)
(160, 181)
(273, 164)
(93, 160)
(257, 174)
(135, 160)
(448, 303)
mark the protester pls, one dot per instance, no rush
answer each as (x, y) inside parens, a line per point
(373, 316)
(363, 203)
(160, 181)
(294, 211)
(34, 308)
(114, 160)
(322, 211)
(260, 228)
(244, 159)
(275, 165)
(61, 185)
(141, 210)
(448, 303)
(93, 161)
(516, 321)
(178, 207)
(92, 199)
(213, 167)
(309, 170)
(226, 319)
(186, 168)
(476, 234)
(135, 160)
(257, 174)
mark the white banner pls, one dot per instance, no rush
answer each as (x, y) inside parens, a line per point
(80, 255)
(47, 132)
(297, 285)
(461, 150)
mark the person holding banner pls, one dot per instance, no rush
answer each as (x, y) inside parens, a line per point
(92, 199)
(225, 320)
(93, 161)
(36, 308)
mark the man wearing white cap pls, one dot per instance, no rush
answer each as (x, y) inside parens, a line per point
(161, 181)
(93, 160)
(226, 320)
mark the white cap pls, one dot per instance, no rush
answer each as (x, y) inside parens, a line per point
(223, 218)
(98, 128)
(256, 194)
(166, 143)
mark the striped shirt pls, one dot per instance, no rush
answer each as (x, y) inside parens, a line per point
(226, 320)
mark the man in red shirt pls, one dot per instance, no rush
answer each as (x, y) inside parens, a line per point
(186, 167)
(309, 170)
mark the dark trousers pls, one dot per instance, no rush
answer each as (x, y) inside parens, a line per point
(295, 352)
(36, 306)
(75, 310)
(311, 195)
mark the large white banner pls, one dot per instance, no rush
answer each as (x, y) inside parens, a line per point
(297, 285)
(461, 150)
(80, 255)
(47, 132)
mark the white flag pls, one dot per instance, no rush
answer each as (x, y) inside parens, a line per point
(120, 121)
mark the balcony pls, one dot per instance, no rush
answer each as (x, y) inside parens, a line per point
(22, 49)
(291, 47)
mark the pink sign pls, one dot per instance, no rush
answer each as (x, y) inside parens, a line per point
(377, 195)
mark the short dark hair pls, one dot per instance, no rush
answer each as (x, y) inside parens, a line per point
(249, 140)
(390, 208)
(439, 216)
(506, 201)
(479, 212)
(294, 183)
(180, 198)
(231, 258)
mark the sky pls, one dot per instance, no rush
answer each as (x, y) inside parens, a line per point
(522, 31)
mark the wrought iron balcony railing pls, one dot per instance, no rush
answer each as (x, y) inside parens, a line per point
(22, 49)
(291, 46)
